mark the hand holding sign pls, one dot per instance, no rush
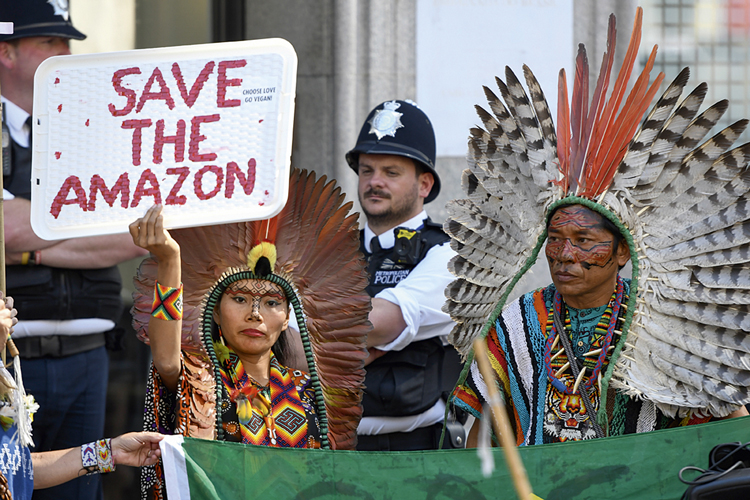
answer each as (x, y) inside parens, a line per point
(148, 232)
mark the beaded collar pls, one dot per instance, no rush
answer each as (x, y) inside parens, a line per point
(251, 398)
(601, 344)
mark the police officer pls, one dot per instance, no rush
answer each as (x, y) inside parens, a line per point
(67, 292)
(410, 370)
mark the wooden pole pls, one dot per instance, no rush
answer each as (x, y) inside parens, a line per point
(502, 425)
(12, 349)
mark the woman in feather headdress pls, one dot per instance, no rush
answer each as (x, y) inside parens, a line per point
(594, 354)
(221, 366)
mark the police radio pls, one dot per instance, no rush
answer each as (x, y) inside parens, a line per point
(408, 246)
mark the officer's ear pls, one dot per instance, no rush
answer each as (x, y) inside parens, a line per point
(8, 54)
(425, 181)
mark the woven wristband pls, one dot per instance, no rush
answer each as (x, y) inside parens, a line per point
(104, 456)
(88, 458)
(167, 302)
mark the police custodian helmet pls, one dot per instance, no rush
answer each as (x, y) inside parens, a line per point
(38, 18)
(398, 128)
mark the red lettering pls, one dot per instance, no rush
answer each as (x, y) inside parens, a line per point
(173, 198)
(74, 183)
(192, 96)
(121, 187)
(248, 183)
(224, 82)
(198, 181)
(162, 95)
(125, 92)
(196, 138)
(178, 140)
(136, 126)
(141, 190)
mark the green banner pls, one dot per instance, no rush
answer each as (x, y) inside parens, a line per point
(642, 466)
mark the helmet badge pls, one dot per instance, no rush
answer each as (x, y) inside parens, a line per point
(387, 120)
(61, 8)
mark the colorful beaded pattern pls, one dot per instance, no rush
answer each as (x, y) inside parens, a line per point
(600, 341)
(88, 458)
(167, 302)
(104, 456)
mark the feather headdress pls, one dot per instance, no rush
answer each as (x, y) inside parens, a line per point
(681, 206)
(311, 249)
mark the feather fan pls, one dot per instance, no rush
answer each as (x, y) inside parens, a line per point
(683, 199)
(317, 244)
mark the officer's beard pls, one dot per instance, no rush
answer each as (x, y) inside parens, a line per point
(399, 210)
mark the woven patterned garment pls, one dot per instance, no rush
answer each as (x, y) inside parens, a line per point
(175, 413)
(292, 408)
(515, 346)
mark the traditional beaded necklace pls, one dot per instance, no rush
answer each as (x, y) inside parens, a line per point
(601, 343)
(248, 395)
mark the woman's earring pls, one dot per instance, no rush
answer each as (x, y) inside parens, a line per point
(221, 337)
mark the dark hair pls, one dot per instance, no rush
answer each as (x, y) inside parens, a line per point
(281, 348)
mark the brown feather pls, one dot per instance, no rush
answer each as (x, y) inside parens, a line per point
(317, 243)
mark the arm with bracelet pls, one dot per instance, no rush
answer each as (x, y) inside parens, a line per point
(58, 466)
(165, 323)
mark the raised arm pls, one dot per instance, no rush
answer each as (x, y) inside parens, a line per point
(164, 335)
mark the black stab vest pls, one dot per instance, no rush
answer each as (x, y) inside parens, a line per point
(410, 381)
(42, 292)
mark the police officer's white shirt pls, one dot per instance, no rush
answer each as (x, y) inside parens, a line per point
(420, 295)
(15, 120)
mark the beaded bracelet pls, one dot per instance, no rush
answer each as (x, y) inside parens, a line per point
(167, 302)
(97, 458)
(104, 456)
(26, 258)
(88, 458)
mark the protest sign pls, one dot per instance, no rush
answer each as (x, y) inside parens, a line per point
(204, 130)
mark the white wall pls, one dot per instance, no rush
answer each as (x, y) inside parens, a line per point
(108, 24)
(464, 44)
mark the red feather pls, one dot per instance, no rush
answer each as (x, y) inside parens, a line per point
(578, 113)
(600, 137)
(563, 129)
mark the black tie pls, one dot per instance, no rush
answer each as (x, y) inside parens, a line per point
(28, 124)
(375, 245)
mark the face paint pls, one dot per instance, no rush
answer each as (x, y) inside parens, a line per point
(576, 235)
(252, 314)
(256, 290)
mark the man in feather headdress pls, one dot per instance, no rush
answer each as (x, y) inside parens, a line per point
(67, 291)
(593, 354)
(409, 367)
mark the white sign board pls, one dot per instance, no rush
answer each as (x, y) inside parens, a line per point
(464, 44)
(204, 130)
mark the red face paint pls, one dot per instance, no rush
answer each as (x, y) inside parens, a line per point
(576, 235)
(580, 254)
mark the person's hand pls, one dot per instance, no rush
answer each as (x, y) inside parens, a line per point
(148, 232)
(8, 318)
(374, 354)
(136, 449)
